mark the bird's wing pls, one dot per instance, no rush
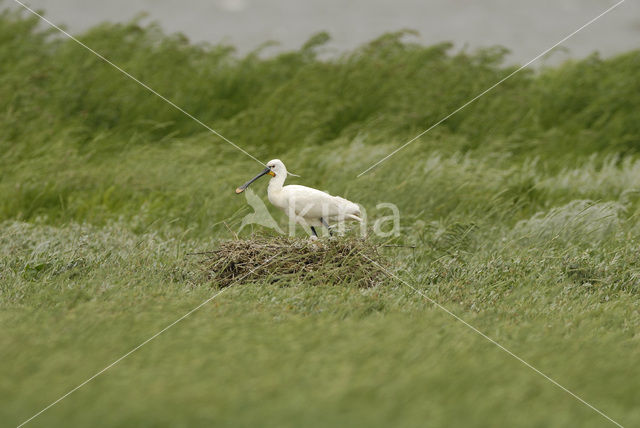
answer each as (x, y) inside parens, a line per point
(310, 202)
(349, 207)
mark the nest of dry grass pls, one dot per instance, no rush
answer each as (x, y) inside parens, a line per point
(353, 262)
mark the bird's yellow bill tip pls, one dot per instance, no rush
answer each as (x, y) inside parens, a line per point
(239, 190)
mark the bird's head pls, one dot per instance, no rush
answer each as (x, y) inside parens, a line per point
(275, 168)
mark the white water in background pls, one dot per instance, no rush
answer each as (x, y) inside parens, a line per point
(526, 27)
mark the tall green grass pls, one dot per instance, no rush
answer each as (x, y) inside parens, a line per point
(82, 142)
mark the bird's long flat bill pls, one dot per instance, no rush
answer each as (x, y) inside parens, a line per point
(241, 189)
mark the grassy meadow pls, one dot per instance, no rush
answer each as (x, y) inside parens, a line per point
(524, 210)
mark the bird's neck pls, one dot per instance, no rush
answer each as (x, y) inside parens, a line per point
(276, 183)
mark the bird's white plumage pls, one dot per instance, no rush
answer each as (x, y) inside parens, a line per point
(306, 204)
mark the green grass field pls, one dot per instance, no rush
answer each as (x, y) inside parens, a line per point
(523, 208)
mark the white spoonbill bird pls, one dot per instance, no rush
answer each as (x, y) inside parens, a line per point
(302, 204)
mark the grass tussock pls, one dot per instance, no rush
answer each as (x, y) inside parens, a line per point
(351, 261)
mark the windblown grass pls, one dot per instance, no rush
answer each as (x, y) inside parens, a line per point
(523, 210)
(81, 142)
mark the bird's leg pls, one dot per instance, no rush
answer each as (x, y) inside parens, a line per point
(313, 229)
(326, 225)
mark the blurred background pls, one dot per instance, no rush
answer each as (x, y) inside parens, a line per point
(525, 27)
